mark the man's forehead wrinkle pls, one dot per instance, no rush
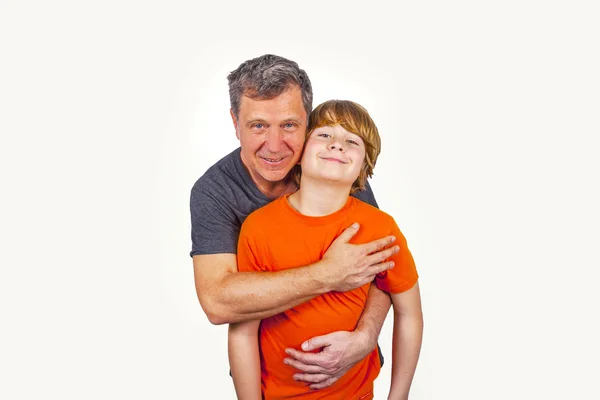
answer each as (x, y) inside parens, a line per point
(262, 117)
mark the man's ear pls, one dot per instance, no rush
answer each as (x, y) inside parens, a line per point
(235, 123)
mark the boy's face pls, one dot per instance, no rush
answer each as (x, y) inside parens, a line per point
(334, 154)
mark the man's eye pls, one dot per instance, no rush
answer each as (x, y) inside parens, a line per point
(258, 126)
(289, 125)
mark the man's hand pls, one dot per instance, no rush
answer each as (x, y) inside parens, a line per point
(340, 352)
(348, 266)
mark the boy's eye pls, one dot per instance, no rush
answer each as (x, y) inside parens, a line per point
(352, 142)
(323, 134)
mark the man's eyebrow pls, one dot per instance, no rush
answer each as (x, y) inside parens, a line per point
(293, 118)
(255, 120)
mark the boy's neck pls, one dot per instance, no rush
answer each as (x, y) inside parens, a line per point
(317, 199)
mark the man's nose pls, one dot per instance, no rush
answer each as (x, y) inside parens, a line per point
(274, 139)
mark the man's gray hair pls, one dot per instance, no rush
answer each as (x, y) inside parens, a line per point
(266, 77)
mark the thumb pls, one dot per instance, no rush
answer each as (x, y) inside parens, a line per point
(316, 343)
(348, 233)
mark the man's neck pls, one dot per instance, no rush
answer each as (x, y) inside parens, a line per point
(275, 190)
(317, 199)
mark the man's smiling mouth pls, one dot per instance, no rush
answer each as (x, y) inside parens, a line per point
(273, 160)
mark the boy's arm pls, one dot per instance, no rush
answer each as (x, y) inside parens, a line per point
(408, 334)
(244, 359)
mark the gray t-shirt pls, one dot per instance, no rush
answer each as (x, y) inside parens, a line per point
(222, 199)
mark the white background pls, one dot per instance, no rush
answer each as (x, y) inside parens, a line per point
(109, 112)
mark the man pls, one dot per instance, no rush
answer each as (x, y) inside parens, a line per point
(271, 99)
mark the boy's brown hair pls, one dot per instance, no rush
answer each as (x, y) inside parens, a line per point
(354, 118)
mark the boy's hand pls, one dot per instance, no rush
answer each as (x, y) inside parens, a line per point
(340, 352)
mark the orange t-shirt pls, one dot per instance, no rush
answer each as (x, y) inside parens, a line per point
(277, 237)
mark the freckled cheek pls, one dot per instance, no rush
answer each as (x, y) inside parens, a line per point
(297, 144)
(310, 148)
(357, 155)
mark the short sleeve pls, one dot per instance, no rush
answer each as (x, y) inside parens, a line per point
(404, 274)
(214, 228)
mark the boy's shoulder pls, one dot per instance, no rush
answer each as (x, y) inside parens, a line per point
(372, 213)
(374, 223)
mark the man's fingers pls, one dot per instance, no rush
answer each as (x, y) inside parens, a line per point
(311, 378)
(300, 366)
(324, 384)
(382, 255)
(379, 244)
(348, 233)
(378, 268)
(318, 342)
(306, 358)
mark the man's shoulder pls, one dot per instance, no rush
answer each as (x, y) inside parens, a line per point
(221, 173)
(366, 195)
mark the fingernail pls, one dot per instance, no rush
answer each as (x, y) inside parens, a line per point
(397, 249)
(392, 239)
(392, 264)
(304, 346)
(295, 378)
(286, 361)
(355, 225)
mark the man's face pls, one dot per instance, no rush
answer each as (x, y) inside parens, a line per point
(333, 154)
(271, 134)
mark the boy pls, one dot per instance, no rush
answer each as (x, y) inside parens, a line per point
(341, 149)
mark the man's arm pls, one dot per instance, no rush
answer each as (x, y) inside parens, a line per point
(228, 296)
(244, 359)
(408, 335)
(341, 350)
